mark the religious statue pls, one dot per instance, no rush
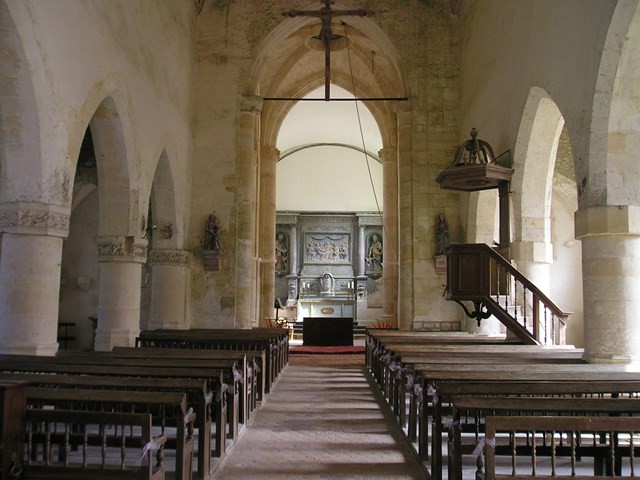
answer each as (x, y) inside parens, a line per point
(211, 240)
(374, 254)
(442, 234)
(282, 253)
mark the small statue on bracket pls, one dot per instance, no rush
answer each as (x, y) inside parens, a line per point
(211, 240)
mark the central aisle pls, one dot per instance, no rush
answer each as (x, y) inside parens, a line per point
(322, 422)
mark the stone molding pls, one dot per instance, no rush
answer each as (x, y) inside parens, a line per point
(170, 257)
(373, 219)
(34, 219)
(122, 249)
(607, 220)
(287, 218)
(251, 104)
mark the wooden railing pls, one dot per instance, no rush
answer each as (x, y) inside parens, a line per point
(478, 274)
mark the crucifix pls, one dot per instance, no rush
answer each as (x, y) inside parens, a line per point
(326, 15)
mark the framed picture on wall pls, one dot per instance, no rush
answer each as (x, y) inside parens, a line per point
(327, 248)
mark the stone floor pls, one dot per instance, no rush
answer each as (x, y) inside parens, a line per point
(322, 422)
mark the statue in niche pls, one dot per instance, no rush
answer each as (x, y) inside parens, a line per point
(374, 254)
(326, 282)
(442, 234)
(282, 253)
(211, 240)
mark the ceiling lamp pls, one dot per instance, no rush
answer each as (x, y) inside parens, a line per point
(474, 168)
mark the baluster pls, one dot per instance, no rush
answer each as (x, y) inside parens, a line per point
(123, 445)
(553, 453)
(524, 306)
(612, 452)
(573, 453)
(533, 453)
(515, 299)
(631, 454)
(103, 435)
(553, 329)
(512, 441)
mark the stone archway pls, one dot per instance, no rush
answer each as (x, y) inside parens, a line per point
(608, 219)
(295, 71)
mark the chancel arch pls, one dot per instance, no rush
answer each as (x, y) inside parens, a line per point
(287, 69)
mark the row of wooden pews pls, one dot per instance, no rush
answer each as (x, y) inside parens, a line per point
(184, 400)
(456, 395)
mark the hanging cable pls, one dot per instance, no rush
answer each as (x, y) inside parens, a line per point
(373, 188)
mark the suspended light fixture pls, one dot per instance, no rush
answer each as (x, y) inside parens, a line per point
(474, 168)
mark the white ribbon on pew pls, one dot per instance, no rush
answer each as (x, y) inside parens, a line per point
(397, 369)
(417, 391)
(187, 416)
(257, 367)
(237, 375)
(410, 380)
(386, 358)
(208, 397)
(249, 373)
(483, 443)
(449, 422)
(224, 388)
(433, 393)
(152, 446)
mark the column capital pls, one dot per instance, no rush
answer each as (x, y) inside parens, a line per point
(170, 257)
(607, 220)
(403, 107)
(251, 104)
(122, 249)
(31, 218)
(537, 252)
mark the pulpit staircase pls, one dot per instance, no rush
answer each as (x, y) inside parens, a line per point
(478, 274)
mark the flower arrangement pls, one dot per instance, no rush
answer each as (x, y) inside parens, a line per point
(382, 324)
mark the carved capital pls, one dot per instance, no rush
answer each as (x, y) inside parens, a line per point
(178, 258)
(122, 249)
(251, 104)
(34, 219)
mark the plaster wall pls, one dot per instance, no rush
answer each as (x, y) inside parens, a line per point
(79, 52)
(509, 47)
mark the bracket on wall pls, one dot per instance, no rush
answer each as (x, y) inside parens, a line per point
(479, 312)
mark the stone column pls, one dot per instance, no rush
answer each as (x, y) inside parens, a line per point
(610, 238)
(170, 288)
(390, 246)
(268, 160)
(246, 251)
(120, 259)
(534, 261)
(30, 258)
(362, 251)
(405, 307)
(293, 250)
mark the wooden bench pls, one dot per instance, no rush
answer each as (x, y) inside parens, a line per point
(615, 438)
(471, 413)
(432, 378)
(167, 410)
(127, 452)
(197, 391)
(275, 343)
(42, 365)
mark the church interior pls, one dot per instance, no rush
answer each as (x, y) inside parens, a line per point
(435, 168)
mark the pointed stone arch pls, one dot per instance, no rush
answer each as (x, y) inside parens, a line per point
(285, 68)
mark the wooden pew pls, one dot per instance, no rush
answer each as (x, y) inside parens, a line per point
(119, 454)
(609, 432)
(167, 409)
(197, 391)
(275, 342)
(40, 364)
(479, 408)
(432, 379)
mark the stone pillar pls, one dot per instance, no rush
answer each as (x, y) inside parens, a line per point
(362, 251)
(610, 238)
(406, 176)
(30, 258)
(293, 250)
(390, 245)
(245, 289)
(120, 259)
(534, 261)
(170, 288)
(268, 159)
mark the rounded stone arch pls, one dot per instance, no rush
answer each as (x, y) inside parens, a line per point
(117, 188)
(534, 160)
(163, 202)
(21, 169)
(613, 173)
